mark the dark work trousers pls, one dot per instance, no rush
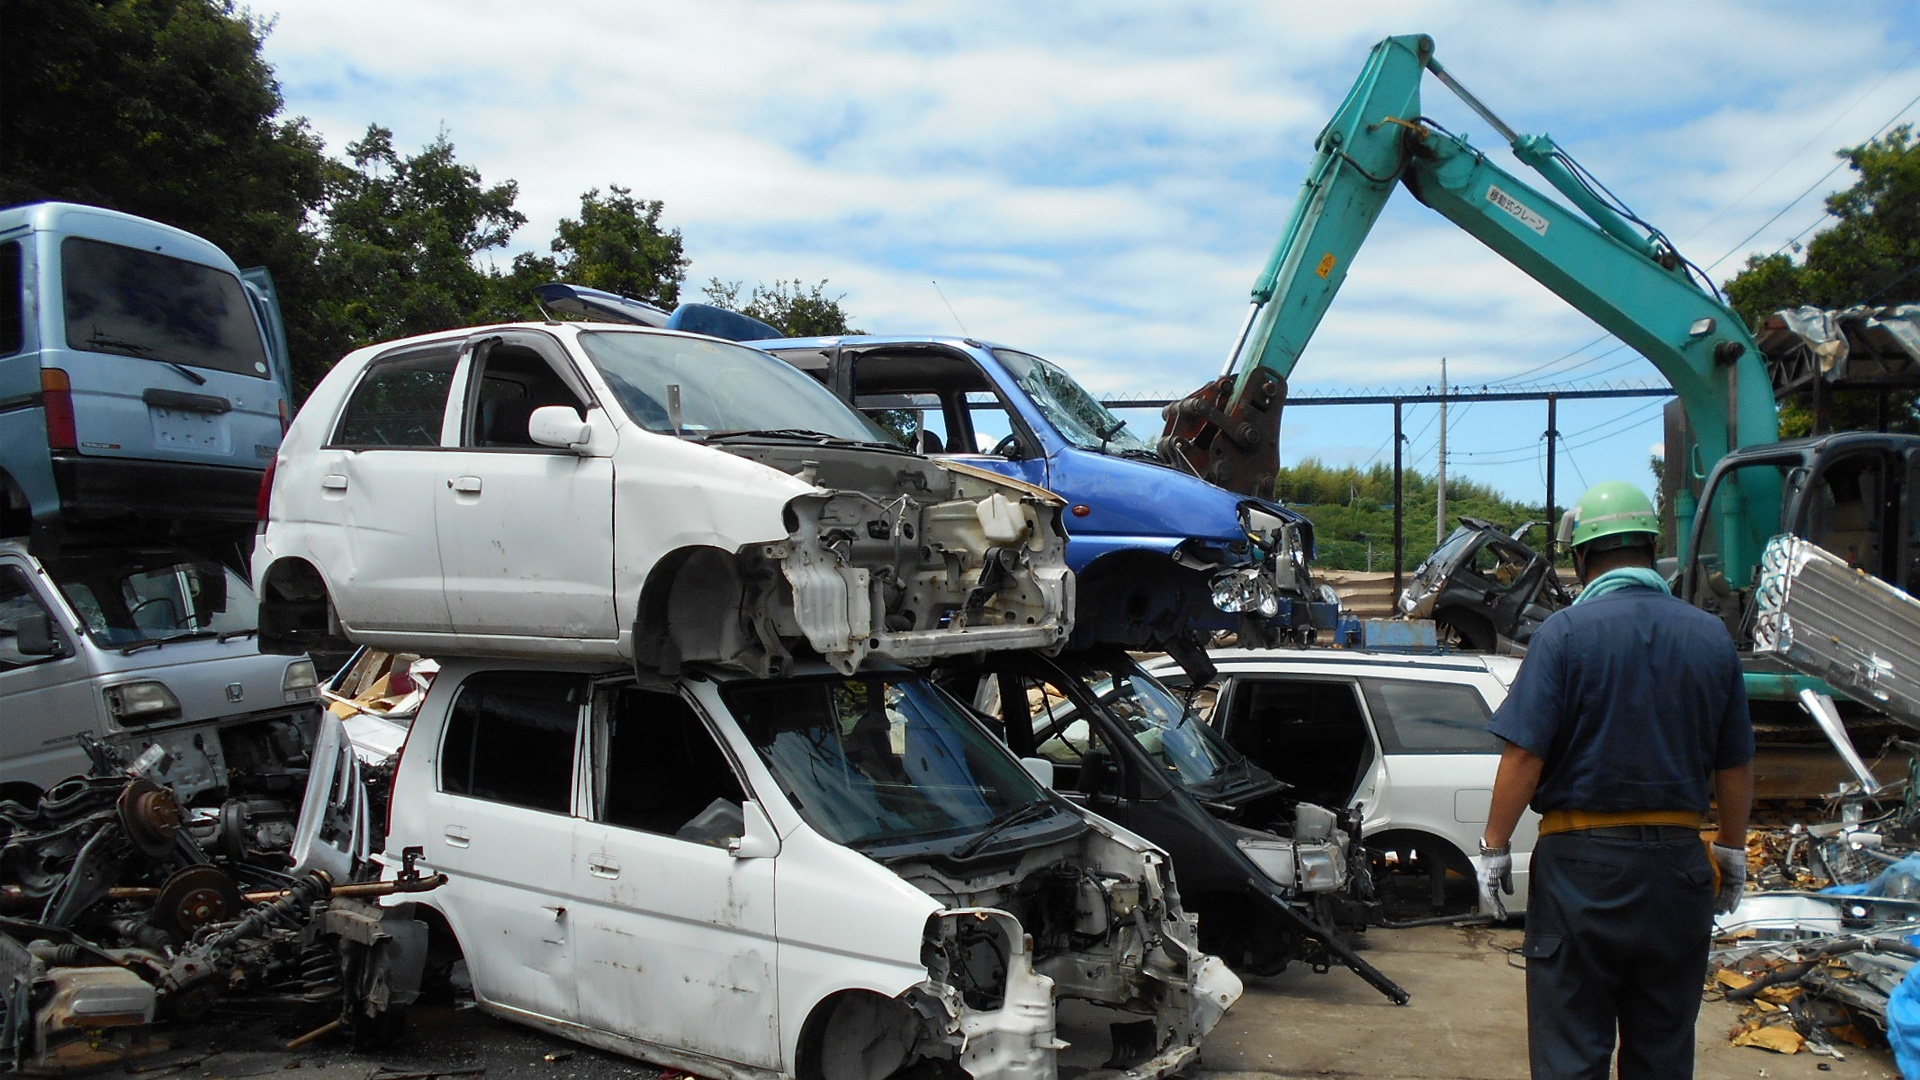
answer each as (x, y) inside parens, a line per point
(1618, 923)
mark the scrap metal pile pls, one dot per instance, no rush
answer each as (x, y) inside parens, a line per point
(115, 917)
(1820, 949)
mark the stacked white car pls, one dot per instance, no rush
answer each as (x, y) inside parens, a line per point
(691, 807)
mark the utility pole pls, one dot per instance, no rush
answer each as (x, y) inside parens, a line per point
(1440, 517)
(1553, 433)
(1399, 503)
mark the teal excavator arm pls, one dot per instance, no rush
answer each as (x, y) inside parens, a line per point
(1621, 273)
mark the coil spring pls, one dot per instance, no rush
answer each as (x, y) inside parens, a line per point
(319, 970)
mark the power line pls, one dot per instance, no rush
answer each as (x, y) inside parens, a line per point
(1836, 168)
(1791, 158)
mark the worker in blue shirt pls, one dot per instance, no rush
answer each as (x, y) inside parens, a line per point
(1626, 723)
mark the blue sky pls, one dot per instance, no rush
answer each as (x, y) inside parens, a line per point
(1099, 183)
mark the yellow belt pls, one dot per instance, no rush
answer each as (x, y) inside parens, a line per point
(1559, 821)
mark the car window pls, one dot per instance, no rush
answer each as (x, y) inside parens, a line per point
(401, 400)
(129, 302)
(510, 739)
(696, 387)
(131, 597)
(1419, 717)
(19, 605)
(659, 770)
(875, 759)
(509, 382)
(12, 299)
(1311, 733)
(991, 421)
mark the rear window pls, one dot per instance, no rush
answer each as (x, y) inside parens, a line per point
(1431, 717)
(129, 302)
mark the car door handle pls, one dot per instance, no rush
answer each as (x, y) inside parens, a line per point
(465, 485)
(458, 836)
(601, 866)
(333, 482)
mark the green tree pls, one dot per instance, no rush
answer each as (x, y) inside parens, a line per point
(1869, 255)
(399, 239)
(617, 245)
(799, 310)
(165, 109)
(1350, 507)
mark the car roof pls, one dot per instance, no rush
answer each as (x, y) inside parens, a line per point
(1336, 661)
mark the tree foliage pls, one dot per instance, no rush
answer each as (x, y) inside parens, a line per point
(617, 245)
(399, 238)
(800, 310)
(1869, 255)
(165, 109)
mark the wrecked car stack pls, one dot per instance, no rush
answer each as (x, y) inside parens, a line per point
(669, 583)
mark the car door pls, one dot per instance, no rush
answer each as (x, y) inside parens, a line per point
(502, 830)
(676, 936)
(1311, 731)
(49, 698)
(525, 531)
(1443, 758)
(369, 493)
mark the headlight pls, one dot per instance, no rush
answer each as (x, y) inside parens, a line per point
(1273, 857)
(141, 702)
(1320, 869)
(1246, 590)
(299, 683)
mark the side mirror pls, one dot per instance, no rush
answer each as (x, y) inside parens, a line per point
(34, 635)
(1040, 769)
(757, 840)
(1563, 535)
(560, 427)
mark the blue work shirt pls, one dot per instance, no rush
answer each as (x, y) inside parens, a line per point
(1634, 699)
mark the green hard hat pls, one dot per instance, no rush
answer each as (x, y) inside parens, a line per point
(1613, 509)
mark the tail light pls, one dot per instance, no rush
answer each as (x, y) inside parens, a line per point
(264, 501)
(286, 420)
(56, 397)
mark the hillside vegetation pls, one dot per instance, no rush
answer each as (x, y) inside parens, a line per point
(1348, 505)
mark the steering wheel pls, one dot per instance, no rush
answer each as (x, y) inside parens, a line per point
(1005, 447)
(176, 622)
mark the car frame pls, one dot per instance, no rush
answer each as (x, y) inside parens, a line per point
(1379, 729)
(939, 928)
(1162, 555)
(610, 492)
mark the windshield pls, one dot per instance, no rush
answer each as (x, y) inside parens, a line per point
(140, 303)
(1159, 721)
(1081, 420)
(880, 758)
(695, 387)
(153, 596)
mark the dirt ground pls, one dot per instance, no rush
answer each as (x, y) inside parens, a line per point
(1467, 1021)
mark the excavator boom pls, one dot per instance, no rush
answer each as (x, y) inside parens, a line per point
(1618, 271)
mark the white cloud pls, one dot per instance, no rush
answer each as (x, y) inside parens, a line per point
(1100, 182)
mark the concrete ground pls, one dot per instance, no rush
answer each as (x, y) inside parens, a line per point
(1467, 1021)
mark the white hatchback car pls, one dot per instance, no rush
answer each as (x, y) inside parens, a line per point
(1405, 736)
(631, 494)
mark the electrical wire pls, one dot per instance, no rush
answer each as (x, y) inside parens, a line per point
(1843, 162)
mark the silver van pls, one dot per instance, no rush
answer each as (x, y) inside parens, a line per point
(151, 645)
(142, 381)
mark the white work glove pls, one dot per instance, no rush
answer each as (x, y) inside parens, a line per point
(1730, 872)
(1496, 874)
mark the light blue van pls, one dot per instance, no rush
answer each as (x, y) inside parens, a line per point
(143, 382)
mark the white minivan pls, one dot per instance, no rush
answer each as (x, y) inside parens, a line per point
(822, 876)
(141, 645)
(623, 493)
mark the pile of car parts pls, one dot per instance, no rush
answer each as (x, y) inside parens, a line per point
(114, 918)
(1820, 949)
